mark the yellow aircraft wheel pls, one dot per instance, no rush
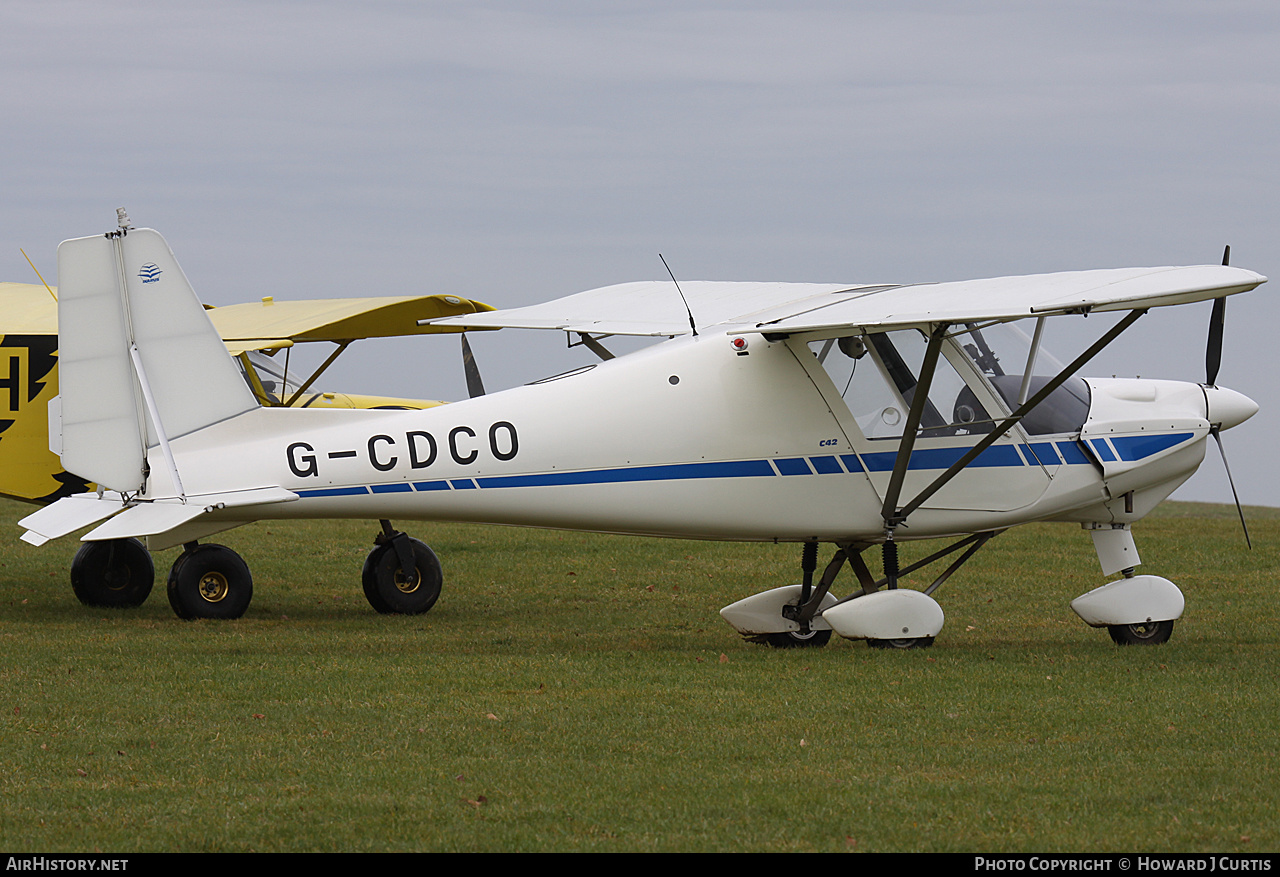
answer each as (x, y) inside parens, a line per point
(115, 573)
(389, 590)
(210, 581)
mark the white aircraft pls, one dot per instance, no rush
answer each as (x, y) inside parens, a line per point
(852, 414)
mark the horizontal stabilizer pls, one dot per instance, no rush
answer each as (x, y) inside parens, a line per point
(68, 515)
(141, 519)
(161, 516)
(145, 519)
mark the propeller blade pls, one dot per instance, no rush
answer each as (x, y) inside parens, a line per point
(1215, 432)
(475, 386)
(1213, 350)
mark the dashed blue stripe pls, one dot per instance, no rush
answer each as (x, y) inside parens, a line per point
(1128, 448)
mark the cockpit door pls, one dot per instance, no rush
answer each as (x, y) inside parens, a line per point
(870, 380)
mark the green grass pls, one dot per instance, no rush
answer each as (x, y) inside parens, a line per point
(574, 692)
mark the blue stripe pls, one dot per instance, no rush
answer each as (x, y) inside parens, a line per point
(1130, 448)
(852, 463)
(826, 465)
(943, 458)
(336, 491)
(1044, 453)
(793, 466)
(1139, 447)
(677, 471)
(1072, 452)
(1105, 453)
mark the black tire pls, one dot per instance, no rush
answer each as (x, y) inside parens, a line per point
(920, 642)
(1149, 633)
(389, 591)
(369, 579)
(794, 639)
(210, 581)
(116, 573)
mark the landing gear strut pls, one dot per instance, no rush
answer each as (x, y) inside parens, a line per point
(401, 575)
(115, 573)
(807, 636)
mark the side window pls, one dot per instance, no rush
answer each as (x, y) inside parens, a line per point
(877, 375)
(1063, 411)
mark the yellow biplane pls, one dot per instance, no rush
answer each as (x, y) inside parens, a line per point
(254, 333)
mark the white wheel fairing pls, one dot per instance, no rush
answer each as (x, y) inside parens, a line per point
(887, 615)
(762, 613)
(1135, 600)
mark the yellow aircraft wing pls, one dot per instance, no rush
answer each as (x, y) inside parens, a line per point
(27, 309)
(272, 324)
(29, 375)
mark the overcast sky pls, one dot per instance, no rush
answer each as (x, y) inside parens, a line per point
(515, 152)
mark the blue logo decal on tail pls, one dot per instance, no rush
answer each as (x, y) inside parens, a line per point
(149, 272)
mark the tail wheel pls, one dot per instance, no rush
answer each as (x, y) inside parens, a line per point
(390, 591)
(210, 581)
(116, 573)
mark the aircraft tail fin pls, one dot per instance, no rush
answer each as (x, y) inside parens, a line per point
(139, 361)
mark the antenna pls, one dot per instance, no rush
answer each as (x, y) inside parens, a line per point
(679, 290)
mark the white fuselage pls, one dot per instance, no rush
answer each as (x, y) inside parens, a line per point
(692, 438)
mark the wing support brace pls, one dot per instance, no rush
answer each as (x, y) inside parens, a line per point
(893, 516)
(342, 345)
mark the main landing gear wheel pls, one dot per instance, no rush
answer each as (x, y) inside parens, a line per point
(920, 642)
(1148, 633)
(390, 591)
(116, 573)
(209, 581)
(794, 639)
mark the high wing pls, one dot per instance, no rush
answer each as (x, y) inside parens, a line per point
(655, 308)
(31, 309)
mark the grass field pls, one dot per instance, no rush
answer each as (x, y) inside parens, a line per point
(574, 692)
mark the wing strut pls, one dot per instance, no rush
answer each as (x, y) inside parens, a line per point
(342, 345)
(920, 399)
(894, 517)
